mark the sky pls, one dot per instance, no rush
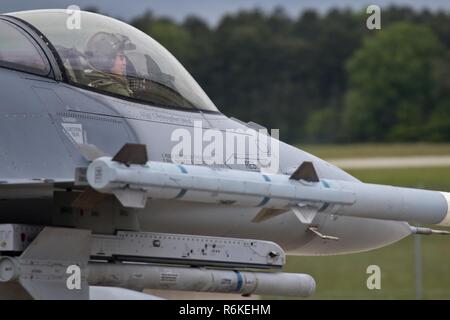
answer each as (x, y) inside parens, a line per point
(209, 10)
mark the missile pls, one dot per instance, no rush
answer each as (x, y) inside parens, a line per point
(146, 276)
(303, 193)
(141, 276)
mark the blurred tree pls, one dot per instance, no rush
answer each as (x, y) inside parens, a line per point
(391, 84)
(143, 22)
(202, 52)
(173, 37)
(439, 125)
(323, 125)
(314, 77)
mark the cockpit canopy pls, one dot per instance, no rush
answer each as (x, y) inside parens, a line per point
(110, 56)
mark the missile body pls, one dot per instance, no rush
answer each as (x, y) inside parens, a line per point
(139, 277)
(146, 276)
(163, 180)
(134, 184)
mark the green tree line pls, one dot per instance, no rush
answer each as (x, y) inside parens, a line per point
(321, 77)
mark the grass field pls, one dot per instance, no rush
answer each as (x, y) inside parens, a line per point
(344, 277)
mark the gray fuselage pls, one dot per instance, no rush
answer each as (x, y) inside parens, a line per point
(41, 120)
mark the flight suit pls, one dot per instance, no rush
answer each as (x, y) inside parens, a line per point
(107, 82)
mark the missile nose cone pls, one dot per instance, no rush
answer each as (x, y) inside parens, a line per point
(310, 288)
(446, 221)
(99, 174)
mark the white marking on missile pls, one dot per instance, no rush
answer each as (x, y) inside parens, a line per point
(446, 221)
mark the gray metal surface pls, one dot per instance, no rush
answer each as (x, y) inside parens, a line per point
(188, 250)
(113, 293)
(41, 270)
(17, 237)
(158, 247)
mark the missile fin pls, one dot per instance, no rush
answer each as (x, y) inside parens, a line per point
(90, 152)
(132, 153)
(267, 213)
(305, 172)
(305, 214)
(131, 198)
(51, 261)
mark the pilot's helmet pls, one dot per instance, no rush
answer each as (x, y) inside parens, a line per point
(103, 48)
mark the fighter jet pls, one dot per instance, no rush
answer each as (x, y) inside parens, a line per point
(118, 173)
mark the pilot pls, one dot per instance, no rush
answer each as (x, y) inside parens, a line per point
(106, 54)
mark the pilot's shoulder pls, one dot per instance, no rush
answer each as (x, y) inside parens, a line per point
(107, 82)
(97, 79)
(94, 74)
